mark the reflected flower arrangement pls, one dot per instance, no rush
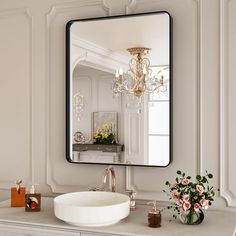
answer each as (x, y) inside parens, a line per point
(104, 134)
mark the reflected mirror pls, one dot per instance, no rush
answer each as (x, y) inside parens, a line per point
(118, 90)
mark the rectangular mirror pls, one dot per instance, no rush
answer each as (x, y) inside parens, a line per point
(118, 90)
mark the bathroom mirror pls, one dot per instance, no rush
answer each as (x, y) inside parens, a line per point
(118, 90)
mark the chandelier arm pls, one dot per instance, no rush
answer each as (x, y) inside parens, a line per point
(163, 69)
(138, 79)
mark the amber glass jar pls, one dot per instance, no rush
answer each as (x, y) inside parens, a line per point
(154, 219)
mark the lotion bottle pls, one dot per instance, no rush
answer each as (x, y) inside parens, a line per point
(32, 200)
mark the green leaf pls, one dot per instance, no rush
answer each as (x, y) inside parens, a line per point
(204, 180)
(210, 176)
(178, 172)
(183, 174)
(188, 177)
(177, 180)
(167, 183)
(198, 177)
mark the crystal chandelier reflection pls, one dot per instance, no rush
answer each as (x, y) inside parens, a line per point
(138, 79)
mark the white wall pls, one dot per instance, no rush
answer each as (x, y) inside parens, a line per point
(32, 95)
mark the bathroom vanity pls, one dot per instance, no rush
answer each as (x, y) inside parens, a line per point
(17, 222)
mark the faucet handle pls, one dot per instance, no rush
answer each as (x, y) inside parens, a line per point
(131, 193)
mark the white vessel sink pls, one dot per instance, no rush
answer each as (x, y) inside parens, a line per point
(92, 208)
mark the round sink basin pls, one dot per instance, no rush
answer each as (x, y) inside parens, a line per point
(92, 208)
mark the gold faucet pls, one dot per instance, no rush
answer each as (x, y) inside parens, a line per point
(106, 173)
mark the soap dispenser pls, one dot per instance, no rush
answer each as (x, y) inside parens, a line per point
(18, 195)
(32, 200)
(154, 216)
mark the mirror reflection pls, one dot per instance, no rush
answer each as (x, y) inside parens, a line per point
(118, 90)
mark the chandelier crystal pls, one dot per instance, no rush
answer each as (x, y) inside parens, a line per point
(138, 79)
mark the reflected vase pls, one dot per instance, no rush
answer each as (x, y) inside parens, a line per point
(192, 217)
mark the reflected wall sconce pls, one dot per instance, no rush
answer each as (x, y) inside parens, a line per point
(78, 105)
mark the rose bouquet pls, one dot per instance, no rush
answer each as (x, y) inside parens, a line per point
(104, 135)
(189, 198)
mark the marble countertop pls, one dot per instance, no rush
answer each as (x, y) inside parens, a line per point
(216, 223)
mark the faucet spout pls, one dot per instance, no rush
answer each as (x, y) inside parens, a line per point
(109, 171)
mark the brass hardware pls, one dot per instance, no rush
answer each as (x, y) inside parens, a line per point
(106, 172)
(94, 189)
(108, 175)
(139, 51)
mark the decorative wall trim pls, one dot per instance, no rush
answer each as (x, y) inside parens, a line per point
(96, 56)
(224, 79)
(143, 194)
(26, 12)
(104, 2)
(128, 6)
(56, 10)
(31, 66)
(199, 89)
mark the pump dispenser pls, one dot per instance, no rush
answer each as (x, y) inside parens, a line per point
(18, 195)
(32, 200)
(154, 216)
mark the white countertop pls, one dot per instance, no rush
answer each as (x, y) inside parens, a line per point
(215, 223)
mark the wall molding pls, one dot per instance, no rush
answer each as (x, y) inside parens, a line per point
(52, 14)
(128, 6)
(131, 6)
(25, 12)
(141, 193)
(96, 56)
(224, 110)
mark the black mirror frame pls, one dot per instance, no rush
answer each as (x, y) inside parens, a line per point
(68, 86)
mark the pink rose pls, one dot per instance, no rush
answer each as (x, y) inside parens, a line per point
(185, 181)
(186, 206)
(195, 197)
(196, 207)
(175, 195)
(200, 189)
(186, 197)
(180, 202)
(204, 203)
(193, 190)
